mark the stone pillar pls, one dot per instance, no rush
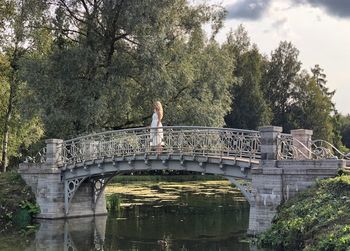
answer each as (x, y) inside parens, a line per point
(54, 152)
(267, 188)
(50, 194)
(302, 141)
(269, 136)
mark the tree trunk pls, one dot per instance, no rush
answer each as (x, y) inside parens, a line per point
(8, 116)
(4, 161)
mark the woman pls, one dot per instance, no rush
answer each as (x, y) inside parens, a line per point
(156, 127)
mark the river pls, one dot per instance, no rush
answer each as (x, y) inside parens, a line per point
(192, 215)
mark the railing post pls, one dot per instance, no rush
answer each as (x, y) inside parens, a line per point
(54, 152)
(269, 142)
(302, 136)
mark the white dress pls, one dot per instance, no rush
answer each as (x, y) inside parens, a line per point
(156, 133)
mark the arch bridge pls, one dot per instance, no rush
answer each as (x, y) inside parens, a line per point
(69, 177)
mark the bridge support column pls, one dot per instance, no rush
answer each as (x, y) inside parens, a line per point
(267, 186)
(49, 186)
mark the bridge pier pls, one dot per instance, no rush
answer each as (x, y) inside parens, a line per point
(267, 188)
(276, 181)
(49, 188)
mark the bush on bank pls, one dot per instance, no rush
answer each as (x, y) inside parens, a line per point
(17, 202)
(316, 219)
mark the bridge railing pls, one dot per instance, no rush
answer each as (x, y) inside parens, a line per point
(291, 148)
(203, 141)
(185, 140)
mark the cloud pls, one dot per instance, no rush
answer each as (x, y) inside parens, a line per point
(279, 23)
(247, 9)
(339, 8)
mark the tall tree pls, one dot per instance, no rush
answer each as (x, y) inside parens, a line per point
(310, 108)
(320, 77)
(16, 20)
(279, 81)
(249, 109)
(111, 59)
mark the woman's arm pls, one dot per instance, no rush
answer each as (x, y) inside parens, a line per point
(158, 116)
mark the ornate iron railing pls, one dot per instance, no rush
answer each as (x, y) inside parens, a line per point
(291, 148)
(40, 157)
(176, 140)
(325, 150)
(199, 141)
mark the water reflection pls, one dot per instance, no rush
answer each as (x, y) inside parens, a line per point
(86, 233)
(152, 216)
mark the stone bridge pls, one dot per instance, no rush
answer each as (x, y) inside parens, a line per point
(69, 177)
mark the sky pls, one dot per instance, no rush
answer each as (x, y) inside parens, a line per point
(319, 29)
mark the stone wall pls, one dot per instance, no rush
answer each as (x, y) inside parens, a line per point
(48, 188)
(281, 180)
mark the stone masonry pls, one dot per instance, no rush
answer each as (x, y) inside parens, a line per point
(275, 181)
(45, 179)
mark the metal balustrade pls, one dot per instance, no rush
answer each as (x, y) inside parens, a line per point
(197, 141)
(187, 140)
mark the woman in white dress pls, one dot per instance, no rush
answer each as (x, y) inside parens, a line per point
(156, 127)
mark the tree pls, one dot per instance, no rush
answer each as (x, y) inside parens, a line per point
(345, 130)
(112, 59)
(15, 21)
(279, 81)
(249, 108)
(320, 78)
(310, 108)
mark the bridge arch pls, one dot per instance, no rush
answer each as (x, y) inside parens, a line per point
(98, 172)
(97, 157)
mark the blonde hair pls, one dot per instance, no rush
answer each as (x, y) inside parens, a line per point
(159, 107)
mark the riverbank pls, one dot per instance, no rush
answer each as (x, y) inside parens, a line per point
(316, 219)
(17, 202)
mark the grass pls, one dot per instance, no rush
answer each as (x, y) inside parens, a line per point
(17, 202)
(316, 219)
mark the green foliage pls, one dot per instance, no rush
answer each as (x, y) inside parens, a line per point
(344, 122)
(18, 38)
(317, 219)
(32, 208)
(74, 67)
(25, 129)
(113, 203)
(249, 108)
(311, 109)
(124, 56)
(17, 202)
(278, 82)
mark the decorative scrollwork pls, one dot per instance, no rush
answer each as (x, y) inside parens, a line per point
(40, 157)
(322, 149)
(68, 241)
(199, 141)
(70, 188)
(183, 140)
(99, 184)
(291, 148)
